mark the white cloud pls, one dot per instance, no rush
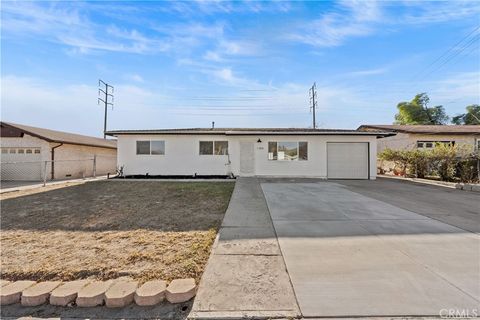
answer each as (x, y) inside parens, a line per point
(73, 108)
(463, 87)
(349, 19)
(134, 77)
(69, 25)
(425, 12)
(356, 18)
(367, 72)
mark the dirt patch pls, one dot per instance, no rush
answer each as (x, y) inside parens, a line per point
(106, 229)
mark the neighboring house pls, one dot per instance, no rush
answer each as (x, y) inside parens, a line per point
(288, 152)
(27, 151)
(409, 137)
(425, 136)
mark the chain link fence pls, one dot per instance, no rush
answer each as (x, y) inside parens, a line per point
(47, 170)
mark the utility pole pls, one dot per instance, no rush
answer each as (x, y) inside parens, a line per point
(313, 102)
(106, 97)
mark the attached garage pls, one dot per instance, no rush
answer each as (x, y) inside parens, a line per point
(348, 160)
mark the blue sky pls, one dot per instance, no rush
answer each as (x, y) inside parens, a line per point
(240, 64)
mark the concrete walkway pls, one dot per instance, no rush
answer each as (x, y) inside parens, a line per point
(246, 275)
(350, 255)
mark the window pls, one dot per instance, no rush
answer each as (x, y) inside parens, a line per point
(288, 151)
(213, 148)
(303, 151)
(37, 151)
(220, 147)
(13, 151)
(4, 150)
(206, 147)
(21, 151)
(272, 151)
(478, 145)
(155, 147)
(143, 147)
(432, 144)
(27, 151)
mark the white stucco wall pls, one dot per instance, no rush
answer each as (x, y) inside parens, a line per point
(182, 155)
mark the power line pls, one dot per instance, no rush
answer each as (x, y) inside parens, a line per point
(451, 57)
(446, 52)
(106, 97)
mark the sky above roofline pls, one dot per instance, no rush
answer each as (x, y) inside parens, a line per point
(240, 64)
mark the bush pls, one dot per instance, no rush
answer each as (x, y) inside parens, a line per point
(448, 162)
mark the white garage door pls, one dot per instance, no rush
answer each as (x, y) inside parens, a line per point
(347, 160)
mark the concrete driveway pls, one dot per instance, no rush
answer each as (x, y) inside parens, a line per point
(373, 248)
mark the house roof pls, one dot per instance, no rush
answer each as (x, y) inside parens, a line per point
(250, 131)
(424, 129)
(60, 136)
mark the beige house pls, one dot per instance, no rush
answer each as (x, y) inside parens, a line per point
(30, 153)
(424, 137)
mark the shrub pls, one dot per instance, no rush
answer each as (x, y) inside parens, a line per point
(448, 162)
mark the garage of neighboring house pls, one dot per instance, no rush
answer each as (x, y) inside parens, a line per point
(32, 154)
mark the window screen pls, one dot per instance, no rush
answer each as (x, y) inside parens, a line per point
(157, 147)
(206, 147)
(143, 147)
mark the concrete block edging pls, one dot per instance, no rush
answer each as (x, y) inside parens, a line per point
(89, 293)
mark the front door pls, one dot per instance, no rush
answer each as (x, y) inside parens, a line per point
(247, 158)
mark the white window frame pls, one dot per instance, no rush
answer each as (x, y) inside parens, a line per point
(213, 148)
(150, 148)
(298, 151)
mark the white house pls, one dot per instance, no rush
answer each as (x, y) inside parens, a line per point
(288, 152)
(31, 153)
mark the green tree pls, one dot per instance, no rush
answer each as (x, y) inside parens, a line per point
(418, 112)
(472, 116)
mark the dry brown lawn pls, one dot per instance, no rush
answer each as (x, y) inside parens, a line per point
(107, 229)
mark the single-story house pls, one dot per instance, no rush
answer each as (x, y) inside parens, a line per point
(425, 136)
(288, 152)
(30, 153)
